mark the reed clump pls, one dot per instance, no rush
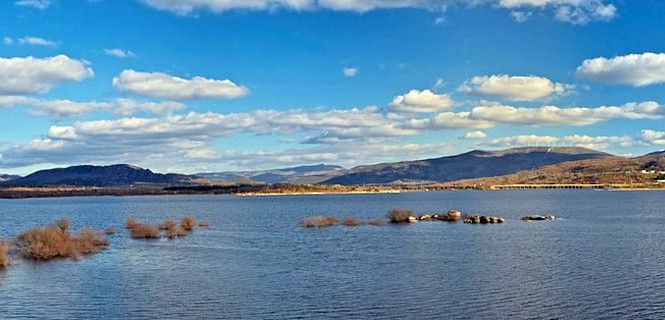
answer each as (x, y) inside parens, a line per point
(4, 255)
(204, 224)
(109, 231)
(187, 223)
(140, 230)
(400, 215)
(319, 222)
(351, 222)
(55, 241)
(378, 223)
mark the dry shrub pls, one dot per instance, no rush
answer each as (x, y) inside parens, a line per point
(187, 223)
(4, 256)
(89, 241)
(130, 223)
(172, 229)
(63, 224)
(376, 223)
(318, 222)
(144, 231)
(351, 222)
(168, 224)
(399, 215)
(204, 224)
(109, 231)
(56, 242)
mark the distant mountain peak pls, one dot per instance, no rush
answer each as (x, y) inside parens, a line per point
(472, 164)
(102, 176)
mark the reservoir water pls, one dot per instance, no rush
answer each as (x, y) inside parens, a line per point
(604, 259)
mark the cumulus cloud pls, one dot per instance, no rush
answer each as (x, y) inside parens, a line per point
(653, 137)
(421, 101)
(191, 134)
(350, 72)
(38, 75)
(634, 69)
(570, 11)
(478, 134)
(577, 116)
(514, 88)
(584, 141)
(124, 107)
(448, 120)
(37, 4)
(119, 53)
(37, 41)
(165, 86)
(10, 101)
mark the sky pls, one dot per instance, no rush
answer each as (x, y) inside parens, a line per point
(214, 85)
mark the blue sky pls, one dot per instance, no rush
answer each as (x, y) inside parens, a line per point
(212, 85)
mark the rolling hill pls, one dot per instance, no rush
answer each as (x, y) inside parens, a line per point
(8, 177)
(472, 164)
(616, 170)
(298, 174)
(102, 176)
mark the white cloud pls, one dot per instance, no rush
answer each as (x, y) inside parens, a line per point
(187, 7)
(10, 101)
(653, 137)
(350, 72)
(514, 88)
(577, 116)
(7, 40)
(124, 107)
(36, 41)
(38, 75)
(37, 4)
(448, 120)
(570, 11)
(421, 101)
(478, 134)
(634, 69)
(520, 16)
(584, 141)
(165, 86)
(119, 53)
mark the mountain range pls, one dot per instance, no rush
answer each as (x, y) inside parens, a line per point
(516, 165)
(284, 175)
(102, 176)
(472, 164)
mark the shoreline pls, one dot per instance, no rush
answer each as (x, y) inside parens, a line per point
(71, 192)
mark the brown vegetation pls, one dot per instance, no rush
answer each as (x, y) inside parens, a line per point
(138, 230)
(204, 224)
(56, 242)
(187, 223)
(378, 223)
(4, 255)
(351, 222)
(318, 222)
(399, 215)
(109, 231)
(89, 241)
(130, 223)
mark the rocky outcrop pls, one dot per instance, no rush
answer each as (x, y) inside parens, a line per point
(484, 220)
(537, 217)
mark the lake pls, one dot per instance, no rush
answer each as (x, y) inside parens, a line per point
(604, 259)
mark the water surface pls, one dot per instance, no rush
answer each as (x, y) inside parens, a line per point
(604, 259)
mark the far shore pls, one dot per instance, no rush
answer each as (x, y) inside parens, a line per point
(291, 190)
